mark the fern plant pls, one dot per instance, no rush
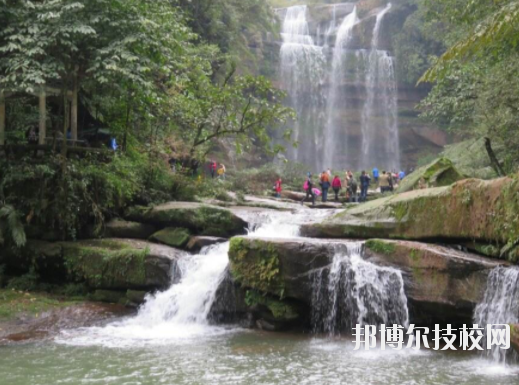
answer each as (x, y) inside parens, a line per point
(11, 226)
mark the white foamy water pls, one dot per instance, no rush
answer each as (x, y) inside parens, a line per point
(180, 313)
(354, 291)
(500, 305)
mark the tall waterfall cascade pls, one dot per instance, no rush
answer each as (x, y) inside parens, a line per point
(500, 305)
(344, 35)
(302, 74)
(354, 291)
(380, 140)
(345, 97)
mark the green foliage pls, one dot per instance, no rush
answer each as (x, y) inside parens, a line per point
(476, 88)
(281, 310)
(381, 247)
(11, 225)
(26, 282)
(260, 180)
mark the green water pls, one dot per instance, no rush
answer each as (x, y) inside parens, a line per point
(235, 357)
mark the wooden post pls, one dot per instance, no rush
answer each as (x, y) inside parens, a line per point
(2, 118)
(73, 114)
(43, 117)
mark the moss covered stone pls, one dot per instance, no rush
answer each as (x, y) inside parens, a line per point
(380, 246)
(280, 309)
(202, 219)
(174, 237)
(440, 172)
(471, 210)
(256, 264)
(106, 264)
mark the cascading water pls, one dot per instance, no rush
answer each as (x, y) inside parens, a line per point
(346, 98)
(380, 138)
(183, 310)
(500, 305)
(302, 73)
(344, 36)
(353, 291)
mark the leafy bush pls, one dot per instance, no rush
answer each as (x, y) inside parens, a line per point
(26, 282)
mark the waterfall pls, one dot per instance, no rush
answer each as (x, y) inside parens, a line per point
(380, 138)
(302, 74)
(344, 36)
(353, 291)
(500, 305)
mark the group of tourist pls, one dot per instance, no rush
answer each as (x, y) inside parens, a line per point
(217, 171)
(385, 180)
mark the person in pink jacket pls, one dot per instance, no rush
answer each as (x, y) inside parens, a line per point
(336, 185)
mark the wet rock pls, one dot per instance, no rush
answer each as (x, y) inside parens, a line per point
(118, 228)
(174, 237)
(280, 267)
(54, 321)
(136, 297)
(439, 173)
(197, 217)
(196, 243)
(443, 283)
(470, 210)
(514, 337)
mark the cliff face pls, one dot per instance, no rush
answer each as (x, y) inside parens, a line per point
(347, 111)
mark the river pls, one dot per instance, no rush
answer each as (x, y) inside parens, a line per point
(171, 341)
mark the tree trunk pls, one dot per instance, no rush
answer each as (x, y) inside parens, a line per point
(494, 162)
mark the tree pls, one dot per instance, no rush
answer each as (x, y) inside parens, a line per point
(243, 107)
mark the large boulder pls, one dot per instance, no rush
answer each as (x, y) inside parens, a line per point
(197, 217)
(277, 266)
(441, 284)
(110, 264)
(172, 236)
(117, 264)
(471, 210)
(439, 173)
(196, 243)
(118, 228)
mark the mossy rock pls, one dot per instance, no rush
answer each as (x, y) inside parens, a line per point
(106, 264)
(471, 210)
(118, 228)
(280, 267)
(439, 173)
(136, 296)
(199, 218)
(174, 237)
(279, 310)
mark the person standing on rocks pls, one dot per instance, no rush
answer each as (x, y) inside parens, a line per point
(325, 184)
(375, 175)
(337, 186)
(278, 187)
(308, 187)
(213, 167)
(364, 185)
(384, 182)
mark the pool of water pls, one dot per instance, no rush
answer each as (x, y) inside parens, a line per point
(233, 356)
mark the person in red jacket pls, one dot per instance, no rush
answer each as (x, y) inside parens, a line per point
(278, 188)
(336, 185)
(213, 168)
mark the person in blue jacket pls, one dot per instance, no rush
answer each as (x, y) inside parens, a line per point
(375, 175)
(401, 175)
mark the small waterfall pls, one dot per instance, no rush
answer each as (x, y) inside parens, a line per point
(500, 305)
(302, 74)
(353, 291)
(335, 100)
(380, 138)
